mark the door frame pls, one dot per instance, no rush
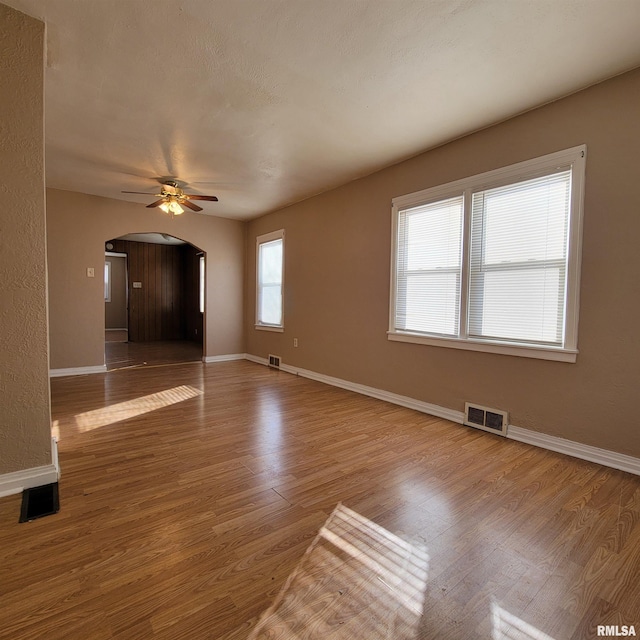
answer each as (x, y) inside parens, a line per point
(116, 254)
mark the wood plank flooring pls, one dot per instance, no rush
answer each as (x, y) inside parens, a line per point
(190, 494)
(121, 355)
(116, 335)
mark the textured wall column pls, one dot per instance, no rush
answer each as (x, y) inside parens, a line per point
(25, 414)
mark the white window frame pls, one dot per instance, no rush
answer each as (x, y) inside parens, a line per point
(574, 158)
(201, 283)
(263, 239)
(107, 280)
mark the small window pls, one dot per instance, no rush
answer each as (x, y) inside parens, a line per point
(270, 280)
(201, 284)
(492, 262)
(107, 281)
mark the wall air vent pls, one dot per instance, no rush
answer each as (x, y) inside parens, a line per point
(274, 361)
(492, 420)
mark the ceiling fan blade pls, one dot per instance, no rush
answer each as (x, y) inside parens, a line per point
(140, 193)
(192, 206)
(210, 198)
(157, 203)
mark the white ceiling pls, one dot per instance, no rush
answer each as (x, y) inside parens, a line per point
(267, 102)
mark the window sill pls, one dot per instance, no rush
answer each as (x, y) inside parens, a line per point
(541, 353)
(266, 327)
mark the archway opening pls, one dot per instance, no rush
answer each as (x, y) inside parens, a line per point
(154, 301)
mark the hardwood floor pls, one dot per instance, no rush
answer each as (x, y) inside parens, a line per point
(116, 335)
(121, 355)
(189, 494)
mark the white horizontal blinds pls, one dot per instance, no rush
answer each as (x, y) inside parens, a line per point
(428, 268)
(518, 267)
(270, 283)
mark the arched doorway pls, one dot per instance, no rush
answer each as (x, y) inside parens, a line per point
(164, 293)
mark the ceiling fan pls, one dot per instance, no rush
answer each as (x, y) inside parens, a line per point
(173, 198)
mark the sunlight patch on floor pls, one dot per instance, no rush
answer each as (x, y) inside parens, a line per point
(506, 626)
(90, 420)
(356, 581)
(400, 566)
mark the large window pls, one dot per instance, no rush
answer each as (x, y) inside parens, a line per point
(491, 262)
(270, 271)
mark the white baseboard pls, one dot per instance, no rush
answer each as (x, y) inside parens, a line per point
(18, 481)
(224, 358)
(575, 449)
(394, 398)
(77, 371)
(256, 359)
(560, 445)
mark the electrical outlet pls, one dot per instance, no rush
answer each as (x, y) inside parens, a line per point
(91, 273)
(295, 342)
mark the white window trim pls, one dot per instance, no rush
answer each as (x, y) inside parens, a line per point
(107, 283)
(269, 327)
(268, 237)
(576, 157)
(202, 284)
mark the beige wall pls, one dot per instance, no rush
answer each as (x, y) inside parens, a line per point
(78, 225)
(25, 419)
(337, 279)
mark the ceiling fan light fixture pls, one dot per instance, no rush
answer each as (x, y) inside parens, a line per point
(172, 199)
(172, 206)
(175, 208)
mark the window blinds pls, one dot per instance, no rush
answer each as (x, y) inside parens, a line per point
(518, 260)
(270, 283)
(428, 270)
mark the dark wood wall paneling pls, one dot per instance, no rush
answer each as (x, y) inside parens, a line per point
(166, 307)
